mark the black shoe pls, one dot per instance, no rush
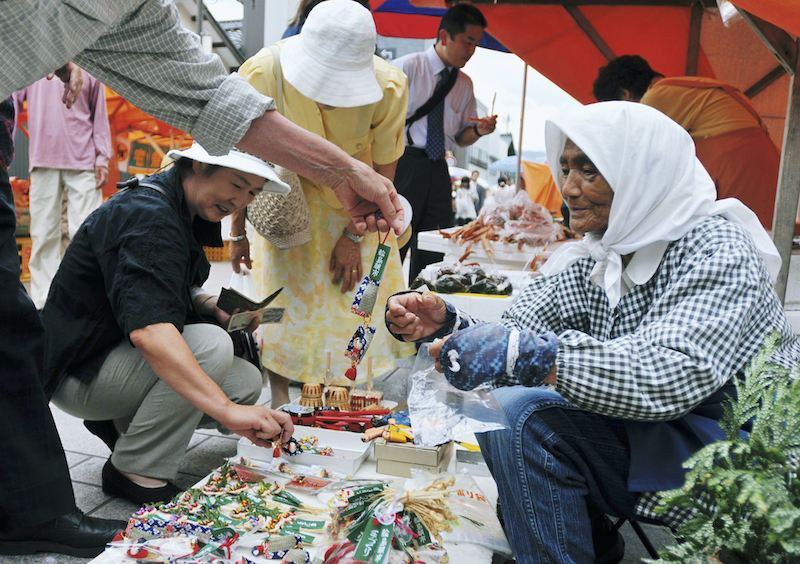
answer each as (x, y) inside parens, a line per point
(118, 484)
(609, 546)
(73, 534)
(106, 431)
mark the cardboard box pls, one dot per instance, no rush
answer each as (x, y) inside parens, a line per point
(471, 462)
(403, 469)
(348, 450)
(397, 459)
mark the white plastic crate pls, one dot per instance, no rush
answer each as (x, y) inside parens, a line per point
(348, 450)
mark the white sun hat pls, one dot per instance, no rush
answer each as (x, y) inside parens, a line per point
(237, 160)
(330, 61)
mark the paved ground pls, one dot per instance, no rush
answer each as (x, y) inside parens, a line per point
(86, 455)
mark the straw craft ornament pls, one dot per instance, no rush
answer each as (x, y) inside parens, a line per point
(363, 305)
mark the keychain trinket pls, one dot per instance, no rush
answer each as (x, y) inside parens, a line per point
(363, 305)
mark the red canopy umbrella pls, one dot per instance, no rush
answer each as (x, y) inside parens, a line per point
(416, 19)
(569, 41)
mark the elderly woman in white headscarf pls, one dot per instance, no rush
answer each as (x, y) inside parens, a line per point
(639, 328)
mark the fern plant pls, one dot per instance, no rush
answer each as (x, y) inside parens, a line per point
(744, 490)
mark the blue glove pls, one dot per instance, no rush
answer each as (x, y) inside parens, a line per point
(487, 351)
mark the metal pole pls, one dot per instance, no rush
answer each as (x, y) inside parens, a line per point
(521, 125)
(199, 21)
(788, 186)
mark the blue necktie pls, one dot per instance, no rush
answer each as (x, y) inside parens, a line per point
(434, 144)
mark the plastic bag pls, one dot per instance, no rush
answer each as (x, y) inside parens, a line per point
(242, 282)
(519, 220)
(477, 520)
(440, 412)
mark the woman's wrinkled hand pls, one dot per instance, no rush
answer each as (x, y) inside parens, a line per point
(415, 316)
(363, 192)
(239, 252)
(345, 263)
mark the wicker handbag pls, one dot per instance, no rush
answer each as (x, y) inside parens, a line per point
(284, 221)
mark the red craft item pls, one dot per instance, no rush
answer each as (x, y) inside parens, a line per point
(351, 373)
(140, 553)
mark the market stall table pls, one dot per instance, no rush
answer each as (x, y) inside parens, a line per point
(507, 260)
(457, 551)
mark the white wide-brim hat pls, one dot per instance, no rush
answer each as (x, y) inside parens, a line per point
(331, 60)
(237, 160)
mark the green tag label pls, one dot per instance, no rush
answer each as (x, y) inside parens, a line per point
(308, 524)
(207, 549)
(369, 541)
(365, 493)
(255, 499)
(360, 498)
(357, 528)
(385, 534)
(379, 262)
(354, 507)
(374, 488)
(423, 536)
(227, 520)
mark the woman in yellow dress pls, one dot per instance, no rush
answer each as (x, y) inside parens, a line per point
(333, 85)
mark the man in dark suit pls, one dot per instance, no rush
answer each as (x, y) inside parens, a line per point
(37, 504)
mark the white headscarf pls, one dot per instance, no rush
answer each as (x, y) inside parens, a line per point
(661, 191)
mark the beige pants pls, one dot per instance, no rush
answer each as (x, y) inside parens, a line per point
(158, 422)
(46, 193)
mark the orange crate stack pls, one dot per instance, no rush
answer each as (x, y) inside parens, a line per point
(218, 254)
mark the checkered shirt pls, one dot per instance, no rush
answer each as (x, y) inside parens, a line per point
(139, 49)
(669, 343)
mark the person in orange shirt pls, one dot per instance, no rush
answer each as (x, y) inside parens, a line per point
(730, 139)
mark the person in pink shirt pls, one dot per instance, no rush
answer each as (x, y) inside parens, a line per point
(69, 150)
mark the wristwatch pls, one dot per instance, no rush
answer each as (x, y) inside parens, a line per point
(352, 236)
(236, 238)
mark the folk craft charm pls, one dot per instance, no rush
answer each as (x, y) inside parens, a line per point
(363, 305)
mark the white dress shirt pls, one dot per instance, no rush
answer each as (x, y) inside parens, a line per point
(423, 70)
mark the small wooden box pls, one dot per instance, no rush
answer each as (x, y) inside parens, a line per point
(397, 459)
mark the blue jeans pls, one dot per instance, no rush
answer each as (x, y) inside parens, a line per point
(554, 466)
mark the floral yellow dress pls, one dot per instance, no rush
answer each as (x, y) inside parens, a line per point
(318, 318)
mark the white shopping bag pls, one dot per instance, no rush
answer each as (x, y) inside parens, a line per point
(242, 282)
